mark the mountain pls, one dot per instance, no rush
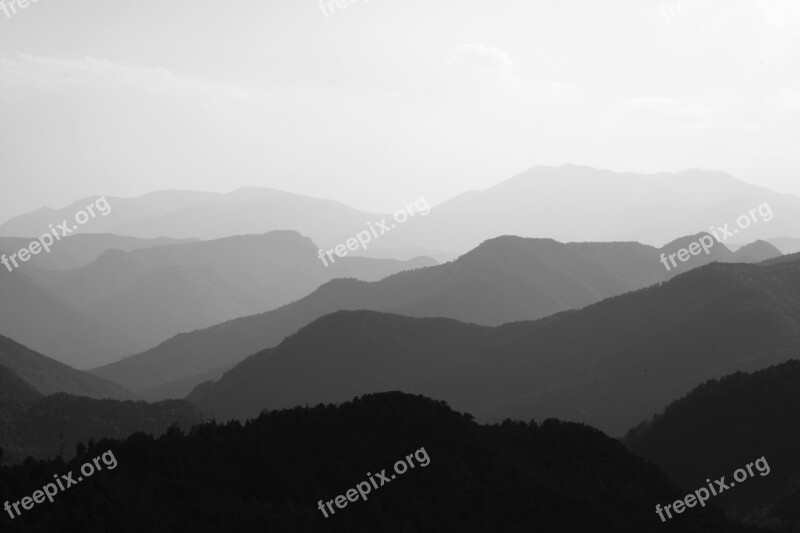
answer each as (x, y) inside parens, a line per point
(121, 210)
(79, 419)
(14, 391)
(376, 251)
(79, 250)
(160, 291)
(723, 425)
(15, 397)
(504, 280)
(782, 259)
(203, 215)
(33, 316)
(271, 473)
(540, 202)
(39, 426)
(35, 422)
(637, 352)
(609, 365)
(48, 376)
(571, 203)
(754, 252)
(786, 245)
(757, 251)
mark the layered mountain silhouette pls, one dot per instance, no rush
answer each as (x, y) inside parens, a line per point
(32, 424)
(154, 293)
(80, 249)
(46, 405)
(609, 365)
(271, 473)
(35, 317)
(504, 280)
(786, 245)
(204, 215)
(577, 203)
(567, 203)
(47, 376)
(725, 424)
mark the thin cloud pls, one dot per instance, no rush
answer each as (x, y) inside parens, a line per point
(649, 104)
(788, 100)
(479, 56)
(50, 73)
(485, 61)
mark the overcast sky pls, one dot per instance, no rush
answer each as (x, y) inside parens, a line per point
(383, 101)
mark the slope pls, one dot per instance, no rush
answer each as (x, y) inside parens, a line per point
(609, 365)
(723, 425)
(270, 474)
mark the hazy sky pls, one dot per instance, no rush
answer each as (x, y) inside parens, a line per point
(383, 101)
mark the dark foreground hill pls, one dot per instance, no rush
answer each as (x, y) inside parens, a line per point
(270, 474)
(725, 424)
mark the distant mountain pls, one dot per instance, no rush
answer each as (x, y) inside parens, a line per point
(403, 254)
(576, 203)
(36, 427)
(155, 293)
(190, 214)
(782, 259)
(637, 352)
(122, 210)
(271, 473)
(541, 202)
(756, 252)
(504, 280)
(35, 317)
(48, 376)
(723, 425)
(609, 365)
(79, 250)
(15, 393)
(15, 397)
(80, 419)
(786, 245)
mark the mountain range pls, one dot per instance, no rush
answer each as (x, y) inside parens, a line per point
(46, 408)
(541, 202)
(153, 293)
(80, 249)
(609, 365)
(554, 300)
(272, 472)
(504, 280)
(205, 215)
(35, 317)
(47, 376)
(725, 424)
